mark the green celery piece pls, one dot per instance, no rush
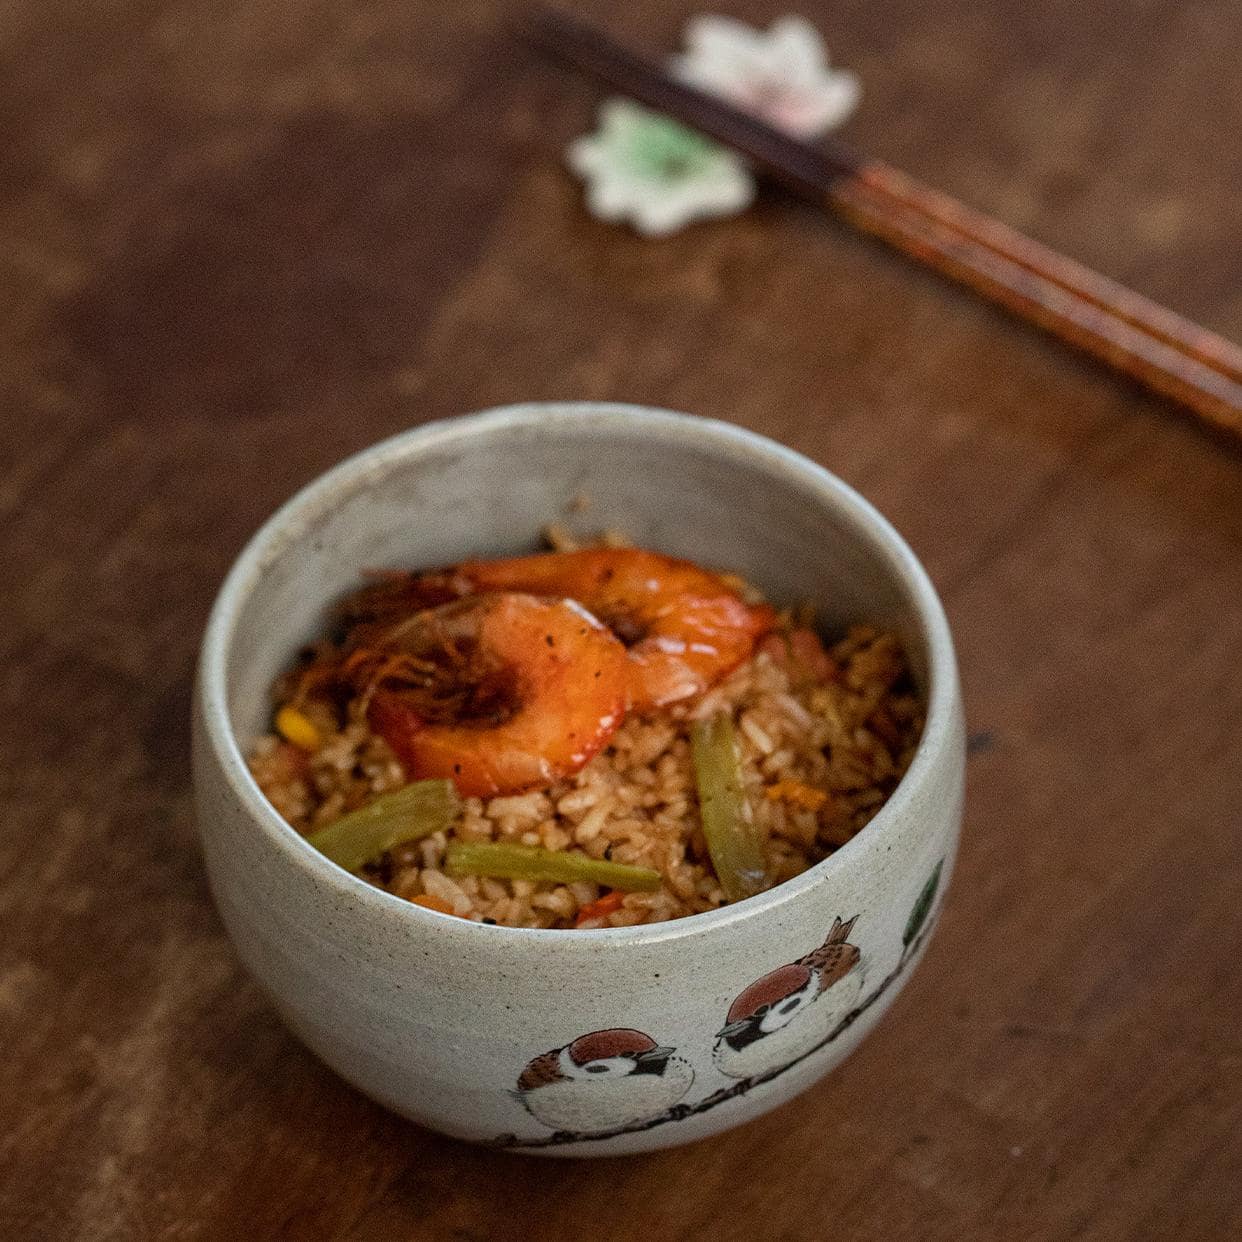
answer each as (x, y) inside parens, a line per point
(530, 862)
(407, 814)
(728, 822)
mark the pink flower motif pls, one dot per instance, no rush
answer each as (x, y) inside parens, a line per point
(781, 75)
(647, 170)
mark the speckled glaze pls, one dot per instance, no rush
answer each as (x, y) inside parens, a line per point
(597, 1042)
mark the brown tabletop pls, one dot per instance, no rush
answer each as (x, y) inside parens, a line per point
(239, 240)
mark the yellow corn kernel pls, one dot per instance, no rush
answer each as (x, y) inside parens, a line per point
(804, 796)
(294, 727)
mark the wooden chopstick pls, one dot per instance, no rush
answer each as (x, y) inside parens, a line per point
(1162, 350)
(1162, 323)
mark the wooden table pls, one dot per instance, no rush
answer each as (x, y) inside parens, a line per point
(240, 240)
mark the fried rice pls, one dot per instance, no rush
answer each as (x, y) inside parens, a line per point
(818, 758)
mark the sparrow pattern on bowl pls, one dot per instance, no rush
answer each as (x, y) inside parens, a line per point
(603, 1079)
(611, 1082)
(791, 1009)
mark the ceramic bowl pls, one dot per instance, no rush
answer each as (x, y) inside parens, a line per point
(486, 1032)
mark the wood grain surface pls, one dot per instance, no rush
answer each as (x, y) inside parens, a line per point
(239, 240)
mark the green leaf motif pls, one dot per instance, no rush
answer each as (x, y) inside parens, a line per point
(922, 907)
(659, 148)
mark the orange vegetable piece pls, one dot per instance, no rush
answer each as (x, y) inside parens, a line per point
(801, 653)
(608, 904)
(799, 794)
(431, 902)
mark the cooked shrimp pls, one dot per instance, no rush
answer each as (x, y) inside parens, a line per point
(683, 626)
(499, 692)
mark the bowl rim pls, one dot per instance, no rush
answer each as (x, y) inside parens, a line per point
(281, 531)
